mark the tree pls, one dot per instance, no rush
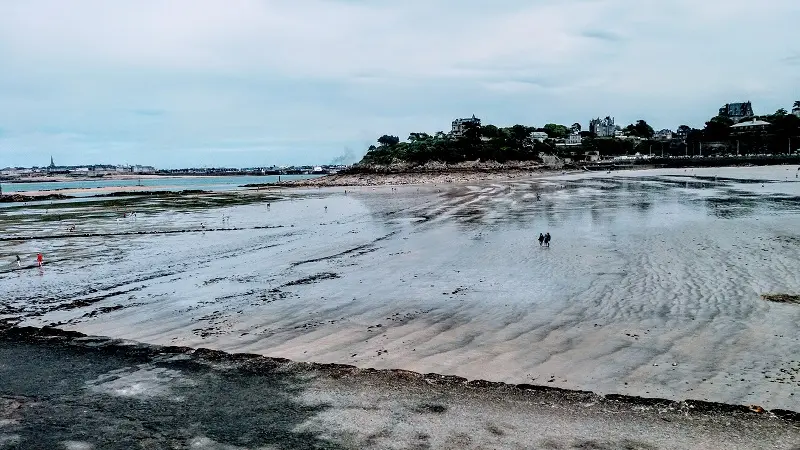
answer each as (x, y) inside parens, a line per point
(556, 131)
(640, 129)
(796, 104)
(575, 128)
(372, 148)
(413, 137)
(490, 131)
(717, 129)
(388, 141)
(684, 130)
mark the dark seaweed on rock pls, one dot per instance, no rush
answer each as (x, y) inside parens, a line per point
(782, 298)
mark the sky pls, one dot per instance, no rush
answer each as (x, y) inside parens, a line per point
(243, 83)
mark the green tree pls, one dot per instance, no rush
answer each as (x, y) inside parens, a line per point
(684, 130)
(418, 137)
(556, 131)
(640, 129)
(796, 104)
(717, 129)
(490, 131)
(575, 128)
(388, 141)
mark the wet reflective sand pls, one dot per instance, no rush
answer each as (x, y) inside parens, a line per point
(651, 285)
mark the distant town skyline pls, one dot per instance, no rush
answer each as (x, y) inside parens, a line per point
(201, 83)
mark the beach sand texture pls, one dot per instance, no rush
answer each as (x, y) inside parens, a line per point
(651, 285)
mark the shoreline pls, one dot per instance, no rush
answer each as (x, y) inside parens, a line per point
(414, 178)
(50, 335)
(170, 397)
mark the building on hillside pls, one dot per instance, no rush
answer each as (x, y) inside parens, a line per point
(737, 111)
(538, 136)
(460, 125)
(750, 126)
(663, 135)
(603, 127)
(573, 139)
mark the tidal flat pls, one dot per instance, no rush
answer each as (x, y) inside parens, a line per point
(652, 285)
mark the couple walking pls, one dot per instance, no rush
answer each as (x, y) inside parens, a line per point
(544, 239)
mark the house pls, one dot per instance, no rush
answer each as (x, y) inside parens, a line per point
(751, 126)
(573, 139)
(143, 169)
(538, 136)
(459, 126)
(737, 111)
(603, 127)
(663, 135)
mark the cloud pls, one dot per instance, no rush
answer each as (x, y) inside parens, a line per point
(603, 35)
(298, 81)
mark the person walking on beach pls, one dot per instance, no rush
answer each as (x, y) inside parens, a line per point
(541, 239)
(19, 262)
(39, 259)
(547, 239)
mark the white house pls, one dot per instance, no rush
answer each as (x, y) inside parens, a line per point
(573, 139)
(538, 136)
(750, 126)
(143, 169)
(663, 135)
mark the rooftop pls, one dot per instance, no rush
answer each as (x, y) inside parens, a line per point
(751, 123)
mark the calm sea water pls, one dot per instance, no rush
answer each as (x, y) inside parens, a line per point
(161, 183)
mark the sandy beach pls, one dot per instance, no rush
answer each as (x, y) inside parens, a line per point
(652, 285)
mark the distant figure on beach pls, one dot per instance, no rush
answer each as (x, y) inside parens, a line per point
(547, 240)
(326, 208)
(39, 259)
(541, 239)
(72, 228)
(19, 262)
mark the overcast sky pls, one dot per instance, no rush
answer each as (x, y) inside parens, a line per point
(177, 83)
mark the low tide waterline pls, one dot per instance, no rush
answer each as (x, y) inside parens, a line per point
(211, 183)
(651, 286)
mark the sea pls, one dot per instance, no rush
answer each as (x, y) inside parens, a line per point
(209, 183)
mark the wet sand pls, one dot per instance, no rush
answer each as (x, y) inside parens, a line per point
(652, 285)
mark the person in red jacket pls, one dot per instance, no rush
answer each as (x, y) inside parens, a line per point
(39, 259)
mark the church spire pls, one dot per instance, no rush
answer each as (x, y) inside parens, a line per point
(52, 164)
